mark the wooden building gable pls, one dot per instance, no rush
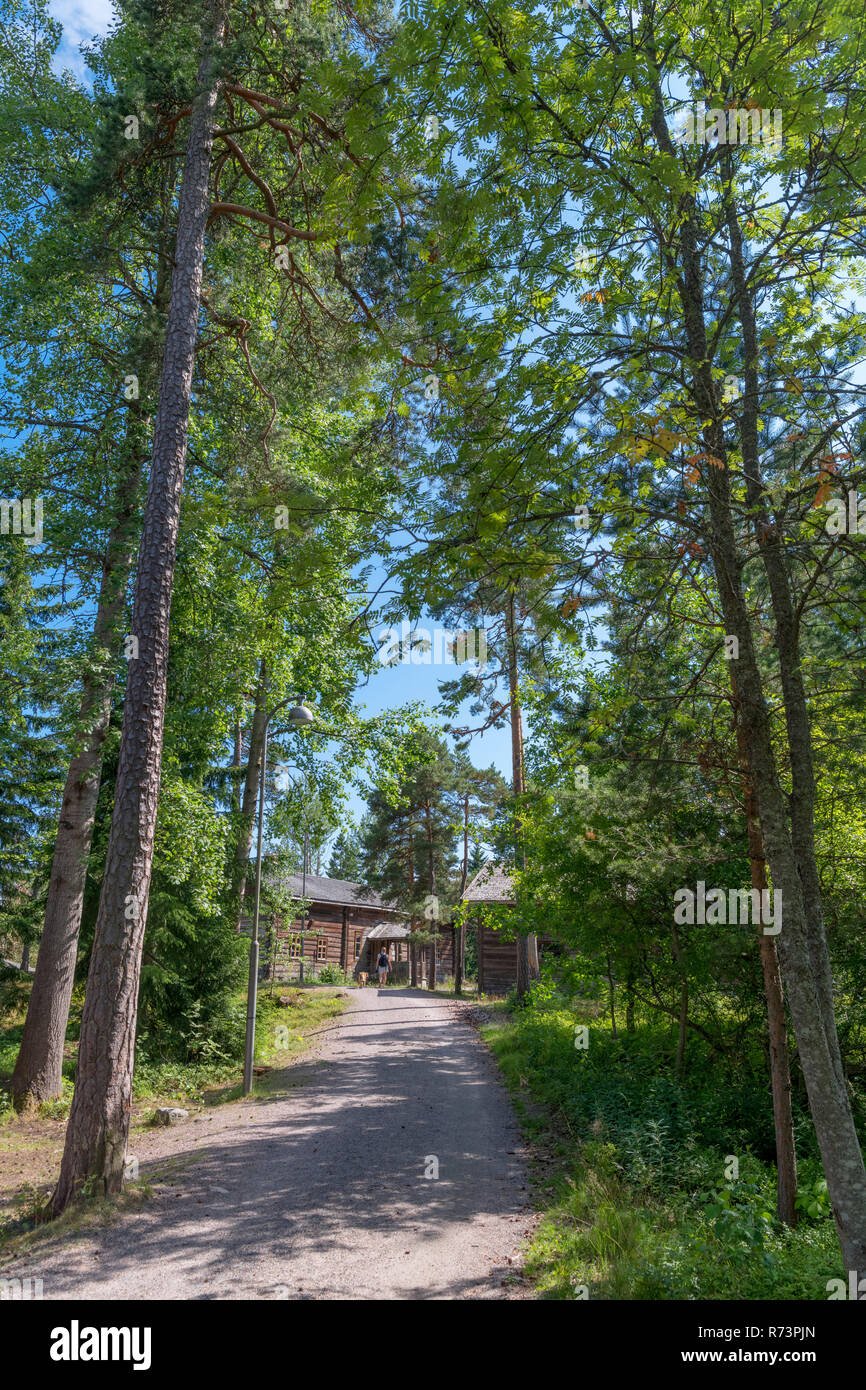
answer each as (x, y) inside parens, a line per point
(340, 916)
(497, 957)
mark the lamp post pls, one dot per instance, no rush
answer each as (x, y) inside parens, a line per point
(298, 716)
(304, 900)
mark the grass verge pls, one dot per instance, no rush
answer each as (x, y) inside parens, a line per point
(31, 1144)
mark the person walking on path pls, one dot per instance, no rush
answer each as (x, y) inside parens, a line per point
(382, 965)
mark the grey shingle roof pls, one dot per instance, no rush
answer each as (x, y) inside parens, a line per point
(340, 892)
(490, 885)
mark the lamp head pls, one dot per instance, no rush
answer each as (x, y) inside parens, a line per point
(299, 715)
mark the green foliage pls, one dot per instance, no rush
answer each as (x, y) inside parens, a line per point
(639, 1208)
(346, 856)
(207, 1043)
(813, 1199)
(414, 833)
(598, 382)
(331, 974)
(740, 1213)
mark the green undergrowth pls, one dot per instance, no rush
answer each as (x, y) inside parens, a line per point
(210, 1072)
(285, 1032)
(652, 1186)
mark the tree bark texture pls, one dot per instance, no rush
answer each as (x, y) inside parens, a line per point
(39, 1065)
(98, 1127)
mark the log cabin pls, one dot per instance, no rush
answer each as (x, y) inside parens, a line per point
(497, 958)
(345, 926)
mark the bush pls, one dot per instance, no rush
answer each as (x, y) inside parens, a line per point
(220, 1038)
(642, 1208)
(331, 974)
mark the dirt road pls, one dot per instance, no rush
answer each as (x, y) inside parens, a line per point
(331, 1191)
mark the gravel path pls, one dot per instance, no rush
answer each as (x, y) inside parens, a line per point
(322, 1193)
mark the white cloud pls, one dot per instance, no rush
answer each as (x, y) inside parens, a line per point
(82, 20)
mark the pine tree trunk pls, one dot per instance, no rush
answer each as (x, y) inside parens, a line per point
(459, 957)
(249, 799)
(237, 764)
(410, 861)
(460, 938)
(98, 1129)
(431, 872)
(39, 1065)
(526, 948)
(413, 962)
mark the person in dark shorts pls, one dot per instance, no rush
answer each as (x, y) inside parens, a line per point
(383, 965)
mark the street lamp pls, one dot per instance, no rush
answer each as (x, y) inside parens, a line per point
(298, 716)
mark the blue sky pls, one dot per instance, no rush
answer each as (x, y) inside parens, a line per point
(401, 683)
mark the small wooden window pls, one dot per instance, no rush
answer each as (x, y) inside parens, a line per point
(321, 948)
(294, 947)
(357, 945)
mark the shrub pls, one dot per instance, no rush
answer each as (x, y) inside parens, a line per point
(642, 1208)
(332, 974)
